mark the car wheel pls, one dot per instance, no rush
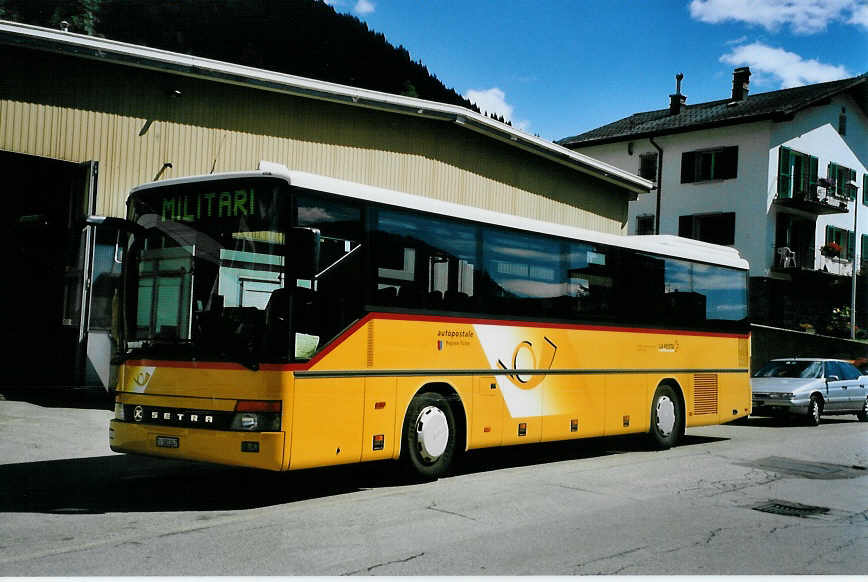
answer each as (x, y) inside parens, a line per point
(862, 415)
(665, 418)
(815, 409)
(428, 438)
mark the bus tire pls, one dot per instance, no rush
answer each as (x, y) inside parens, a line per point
(429, 436)
(666, 418)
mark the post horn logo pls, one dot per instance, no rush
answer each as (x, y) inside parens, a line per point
(524, 376)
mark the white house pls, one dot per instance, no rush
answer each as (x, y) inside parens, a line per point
(779, 175)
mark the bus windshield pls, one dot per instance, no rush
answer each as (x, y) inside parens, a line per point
(201, 280)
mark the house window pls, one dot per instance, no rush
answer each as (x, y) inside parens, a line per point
(714, 164)
(797, 174)
(645, 224)
(714, 228)
(648, 166)
(865, 189)
(843, 238)
(840, 177)
(864, 250)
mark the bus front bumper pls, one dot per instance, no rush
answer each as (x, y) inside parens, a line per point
(261, 450)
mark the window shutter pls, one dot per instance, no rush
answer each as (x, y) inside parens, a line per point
(685, 226)
(784, 173)
(814, 174)
(851, 190)
(865, 189)
(830, 234)
(688, 160)
(851, 245)
(728, 163)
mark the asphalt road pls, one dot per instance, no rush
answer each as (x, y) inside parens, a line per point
(71, 507)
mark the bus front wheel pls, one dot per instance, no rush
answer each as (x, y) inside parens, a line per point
(665, 418)
(428, 440)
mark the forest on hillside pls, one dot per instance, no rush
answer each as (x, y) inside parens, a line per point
(299, 37)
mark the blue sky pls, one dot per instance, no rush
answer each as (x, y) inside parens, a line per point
(557, 68)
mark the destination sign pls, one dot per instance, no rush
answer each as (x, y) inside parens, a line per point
(193, 207)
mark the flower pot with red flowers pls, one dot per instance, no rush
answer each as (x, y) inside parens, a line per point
(831, 250)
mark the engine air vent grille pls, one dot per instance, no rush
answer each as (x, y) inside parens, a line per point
(705, 394)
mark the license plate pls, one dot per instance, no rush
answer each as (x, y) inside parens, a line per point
(168, 442)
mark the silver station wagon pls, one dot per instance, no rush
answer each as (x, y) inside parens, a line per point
(809, 387)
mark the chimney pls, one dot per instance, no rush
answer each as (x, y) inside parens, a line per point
(676, 101)
(740, 82)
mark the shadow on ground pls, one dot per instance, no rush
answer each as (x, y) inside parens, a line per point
(53, 397)
(783, 421)
(129, 483)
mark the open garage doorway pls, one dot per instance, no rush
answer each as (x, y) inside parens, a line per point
(43, 298)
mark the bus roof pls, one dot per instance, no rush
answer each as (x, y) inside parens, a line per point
(668, 245)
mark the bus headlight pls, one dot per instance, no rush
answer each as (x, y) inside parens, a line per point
(119, 411)
(257, 415)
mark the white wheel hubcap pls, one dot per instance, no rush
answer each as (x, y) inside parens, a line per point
(432, 432)
(665, 415)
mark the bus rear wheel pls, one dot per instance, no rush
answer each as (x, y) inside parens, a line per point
(428, 438)
(666, 418)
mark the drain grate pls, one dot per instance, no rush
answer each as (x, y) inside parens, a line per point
(790, 508)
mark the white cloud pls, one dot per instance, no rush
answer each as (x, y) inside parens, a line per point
(802, 16)
(789, 69)
(494, 101)
(364, 7)
(491, 101)
(860, 16)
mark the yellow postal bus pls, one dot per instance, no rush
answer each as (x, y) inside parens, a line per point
(283, 320)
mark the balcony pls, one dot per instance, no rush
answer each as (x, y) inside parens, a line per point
(822, 201)
(807, 259)
(794, 259)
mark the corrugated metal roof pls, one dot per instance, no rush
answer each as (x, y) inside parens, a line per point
(39, 38)
(774, 105)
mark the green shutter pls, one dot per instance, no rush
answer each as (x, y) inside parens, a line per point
(785, 172)
(851, 189)
(851, 245)
(865, 189)
(688, 159)
(812, 179)
(830, 234)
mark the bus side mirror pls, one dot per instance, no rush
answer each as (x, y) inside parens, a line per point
(118, 224)
(303, 252)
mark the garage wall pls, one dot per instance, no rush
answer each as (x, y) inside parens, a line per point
(133, 121)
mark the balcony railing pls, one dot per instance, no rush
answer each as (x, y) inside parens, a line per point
(821, 201)
(809, 259)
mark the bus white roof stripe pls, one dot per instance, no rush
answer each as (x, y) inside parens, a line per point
(668, 245)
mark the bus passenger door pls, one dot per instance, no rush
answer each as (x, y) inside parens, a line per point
(487, 415)
(327, 422)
